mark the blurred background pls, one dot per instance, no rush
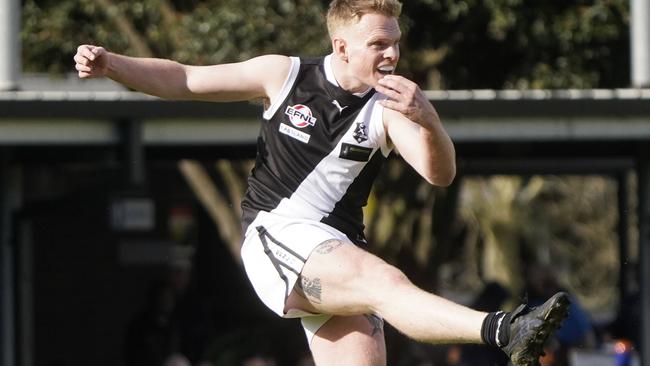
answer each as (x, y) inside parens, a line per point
(120, 212)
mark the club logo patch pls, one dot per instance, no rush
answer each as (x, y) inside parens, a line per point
(360, 133)
(300, 116)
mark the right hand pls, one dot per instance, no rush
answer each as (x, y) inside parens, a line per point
(91, 61)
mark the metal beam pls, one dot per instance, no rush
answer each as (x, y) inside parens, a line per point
(190, 131)
(576, 166)
(110, 105)
(169, 132)
(30, 132)
(552, 128)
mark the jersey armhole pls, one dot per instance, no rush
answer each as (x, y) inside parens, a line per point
(286, 88)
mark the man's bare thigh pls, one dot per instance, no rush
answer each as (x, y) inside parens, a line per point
(332, 280)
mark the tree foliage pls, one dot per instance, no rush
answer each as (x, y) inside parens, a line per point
(197, 32)
(550, 220)
(446, 43)
(518, 44)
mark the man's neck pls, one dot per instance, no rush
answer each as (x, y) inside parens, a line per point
(340, 74)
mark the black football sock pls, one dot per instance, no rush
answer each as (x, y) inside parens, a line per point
(495, 330)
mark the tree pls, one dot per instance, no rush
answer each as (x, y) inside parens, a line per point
(497, 44)
(197, 32)
(446, 43)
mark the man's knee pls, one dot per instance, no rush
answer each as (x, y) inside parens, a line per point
(385, 277)
(372, 273)
(358, 263)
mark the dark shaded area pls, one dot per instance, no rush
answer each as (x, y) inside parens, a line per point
(94, 305)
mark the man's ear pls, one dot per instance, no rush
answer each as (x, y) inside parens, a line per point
(340, 47)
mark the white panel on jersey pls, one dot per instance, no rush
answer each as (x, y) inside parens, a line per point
(377, 132)
(326, 185)
(329, 73)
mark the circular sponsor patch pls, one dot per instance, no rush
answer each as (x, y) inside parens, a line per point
(300, 116)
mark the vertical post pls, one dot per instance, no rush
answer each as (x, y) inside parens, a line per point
(25, 294)
(10, 64)
(640, 42)
(133, 152)
(623, 235)
(644, 253)
(7, 324)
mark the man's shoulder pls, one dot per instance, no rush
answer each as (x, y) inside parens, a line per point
(283, 64)
(271, 59)
(312, 60)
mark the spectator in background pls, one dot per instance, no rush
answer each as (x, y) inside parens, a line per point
(151, 337)
(191, 314)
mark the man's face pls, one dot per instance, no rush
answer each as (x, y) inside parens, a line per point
(372, 48)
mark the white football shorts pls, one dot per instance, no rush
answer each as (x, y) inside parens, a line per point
(274, 252)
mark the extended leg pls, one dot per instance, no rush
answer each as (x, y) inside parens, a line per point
(340, 278)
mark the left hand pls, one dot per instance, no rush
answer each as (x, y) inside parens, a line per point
(408, 99)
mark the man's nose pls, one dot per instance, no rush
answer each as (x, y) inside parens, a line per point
(392, 52)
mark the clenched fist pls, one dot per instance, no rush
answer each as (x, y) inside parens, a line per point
(91, 61)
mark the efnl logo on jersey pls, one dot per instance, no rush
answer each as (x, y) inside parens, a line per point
(300, 116)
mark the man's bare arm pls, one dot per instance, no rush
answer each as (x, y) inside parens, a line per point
(247, 80)
(414, 128)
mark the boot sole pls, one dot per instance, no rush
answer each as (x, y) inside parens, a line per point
(556, 312)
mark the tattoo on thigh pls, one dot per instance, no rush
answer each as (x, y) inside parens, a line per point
(376, 322)
(328, 246)
(311, 288)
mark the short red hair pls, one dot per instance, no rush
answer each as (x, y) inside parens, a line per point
(342, 12)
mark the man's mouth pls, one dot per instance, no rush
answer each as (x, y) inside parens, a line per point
(386, 70)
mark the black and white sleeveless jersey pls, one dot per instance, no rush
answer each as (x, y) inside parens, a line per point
(319, 150)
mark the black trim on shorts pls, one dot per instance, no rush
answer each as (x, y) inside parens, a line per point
(264, 234)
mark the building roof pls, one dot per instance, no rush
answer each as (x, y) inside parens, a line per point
(74, 111)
